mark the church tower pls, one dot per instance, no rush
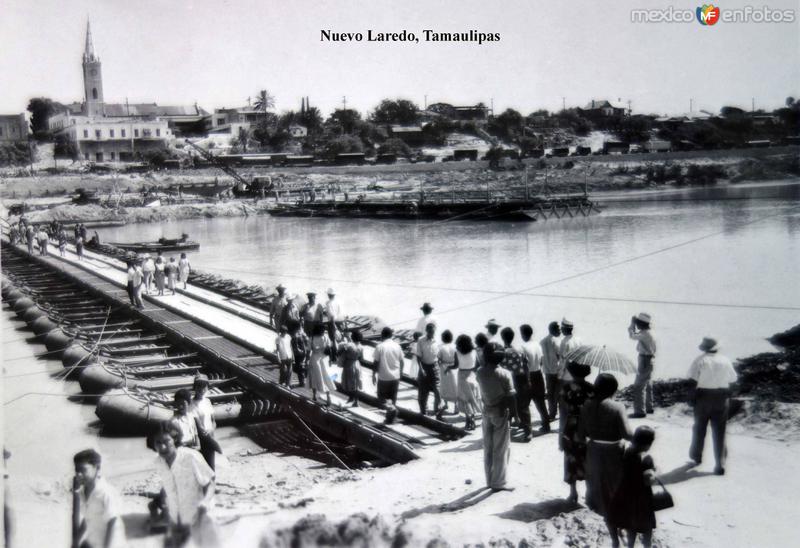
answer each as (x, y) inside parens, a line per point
(92, 78)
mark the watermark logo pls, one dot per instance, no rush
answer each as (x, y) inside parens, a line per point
(707, 14)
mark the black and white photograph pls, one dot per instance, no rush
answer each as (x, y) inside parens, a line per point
(400, 273)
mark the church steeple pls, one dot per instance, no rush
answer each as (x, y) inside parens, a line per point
(88, 51)
(92, 78)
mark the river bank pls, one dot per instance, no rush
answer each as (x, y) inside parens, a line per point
(597, 175)
(271, 499)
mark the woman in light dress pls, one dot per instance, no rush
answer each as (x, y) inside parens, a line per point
(183, 269)
(159, 275)
(318, 376)
(447, 369)
(469, 399)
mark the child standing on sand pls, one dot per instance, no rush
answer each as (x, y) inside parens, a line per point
(632, 505)
(96, 519)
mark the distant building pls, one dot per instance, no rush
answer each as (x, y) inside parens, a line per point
(231, 120)
(13, 128)
(598, 109)
(475, 113)
(111, 132)
(297, 131)
(411, 135)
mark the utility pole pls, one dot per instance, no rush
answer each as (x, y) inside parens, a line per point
(691, 104)
(426, 102)
(563, 103)
(492, 103)
(752, 104)
(344, 102)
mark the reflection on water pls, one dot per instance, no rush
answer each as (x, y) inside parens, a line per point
(597, 271)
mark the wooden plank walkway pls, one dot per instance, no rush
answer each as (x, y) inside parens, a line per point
(237, 342)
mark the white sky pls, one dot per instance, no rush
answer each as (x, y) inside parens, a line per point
(220, 52)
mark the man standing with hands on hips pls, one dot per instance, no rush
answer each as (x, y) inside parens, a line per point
(639, 330)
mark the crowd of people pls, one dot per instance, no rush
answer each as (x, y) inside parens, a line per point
(496, 377)
(39, 236)
(150, 276)
(493, 377)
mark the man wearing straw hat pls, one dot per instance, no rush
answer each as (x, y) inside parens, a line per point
(333, 310)
(639, 330)
(428, 317)
(276, 309)
(714, 375)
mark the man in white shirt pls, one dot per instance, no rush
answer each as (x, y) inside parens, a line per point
(550, 345)
(533, 354)
(639, 330)
(714, 375)
(388, 359)
(188, 486)
(276, 308)
(96, 520)
(429, 378)
(336, 318)
(428, 317)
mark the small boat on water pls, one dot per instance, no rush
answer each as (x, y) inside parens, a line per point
(163, 244)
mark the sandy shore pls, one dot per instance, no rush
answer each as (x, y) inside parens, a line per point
(440, 496)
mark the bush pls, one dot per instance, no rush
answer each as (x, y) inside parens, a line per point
(395, 146)
(704, 175)
(15, 154)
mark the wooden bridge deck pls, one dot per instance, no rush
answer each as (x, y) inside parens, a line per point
(234, 338)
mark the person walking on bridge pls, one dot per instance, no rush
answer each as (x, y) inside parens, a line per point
(276, 307)
(184, 268)
(311, 313)
(336, 317)
(639, 330)
(388, 360)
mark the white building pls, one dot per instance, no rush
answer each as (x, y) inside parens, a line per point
(112, 132)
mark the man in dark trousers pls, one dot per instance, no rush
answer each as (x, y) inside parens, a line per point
(532, 351)
(550, 357)
(497, 392)
(713, 374)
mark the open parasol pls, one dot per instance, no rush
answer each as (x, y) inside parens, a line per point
(605, 359)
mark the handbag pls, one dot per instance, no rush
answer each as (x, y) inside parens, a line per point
(662, 499)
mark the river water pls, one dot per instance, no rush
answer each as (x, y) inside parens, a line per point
(722, 262)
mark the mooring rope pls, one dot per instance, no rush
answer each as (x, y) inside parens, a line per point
(319, 440)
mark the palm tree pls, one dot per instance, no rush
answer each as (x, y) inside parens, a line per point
(264, 102)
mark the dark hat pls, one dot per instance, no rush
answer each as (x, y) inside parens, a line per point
(426, 306)
(311, 294)
(709, 344)
(578, 370)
